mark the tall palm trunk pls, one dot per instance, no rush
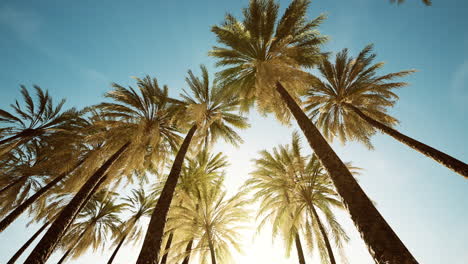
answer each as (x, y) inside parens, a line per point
(300, 252)
(42, 251)
(212, 252)
(448, 161)
(166, 248)
(149, 253)
(383, 244)
(62, 259)
(26, 245)
(73, 246)
(117, 249)
(331, 256)
(15, 182)
(21, 208)
(188, 250)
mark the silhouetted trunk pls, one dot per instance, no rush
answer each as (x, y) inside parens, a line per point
(300, 252)
(383, 244)
(15, 182)
(73, 246)
(188, 250)
(331, 256)
(448, 161)
(45, 247)
(26, 245)
(167, 247)
(62, 259)
(116, 250)
(21, 208)
(149, 253)
(212, 251)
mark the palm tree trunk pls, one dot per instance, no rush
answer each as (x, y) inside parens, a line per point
(26, 245)
(167, 247)
(188, 250)
(212, 252)
(62, 259)
(149, 253)
(42, 251)
(300, 252)
(383, 244)
(331, 256)
(21, 208)
(74, 245)
(15, 182)
(448, 161)
(117, 249)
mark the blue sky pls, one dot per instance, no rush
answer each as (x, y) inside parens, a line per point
(75, 49)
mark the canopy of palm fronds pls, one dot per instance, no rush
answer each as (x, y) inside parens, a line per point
(212, 109)
(260, 50)
(34, 120)
(289, 185)
(94, 225)
(212, 220)
(352, 81)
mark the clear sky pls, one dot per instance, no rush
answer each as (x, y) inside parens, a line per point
(75, 49)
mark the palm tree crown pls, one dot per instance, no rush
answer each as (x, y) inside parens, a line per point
(352, 81)
(261, 50)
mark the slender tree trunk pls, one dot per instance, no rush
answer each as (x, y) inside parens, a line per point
(26, 245)
(448, 161)
(383, 244)
(15, 182)
(21, 208)
(167, 247)
(74, 245)
(300, 252)
(62, 259)
(42, 251)
(188, 250)
(331, 256)
(149, 253)
(212, 252)
(116, 250)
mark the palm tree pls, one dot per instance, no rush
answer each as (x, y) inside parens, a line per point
(290, 187)
(211, 112)
(212, 219)
(351, 101)
(45, 247)
(93, 225)
(265, 61)
(35, 120)
(138, 135)
(202, 169)
(139, 204)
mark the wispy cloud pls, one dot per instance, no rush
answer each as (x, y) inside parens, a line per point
(459, 87)
(27, 26)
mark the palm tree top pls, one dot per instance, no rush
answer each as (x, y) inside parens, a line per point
(36, 115)
(352, 81)
(212, 109)
(262, 48)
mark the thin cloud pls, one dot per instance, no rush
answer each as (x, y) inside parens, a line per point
(459, 88)
(27, 25)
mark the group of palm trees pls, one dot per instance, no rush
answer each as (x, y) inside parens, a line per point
(64, 166)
